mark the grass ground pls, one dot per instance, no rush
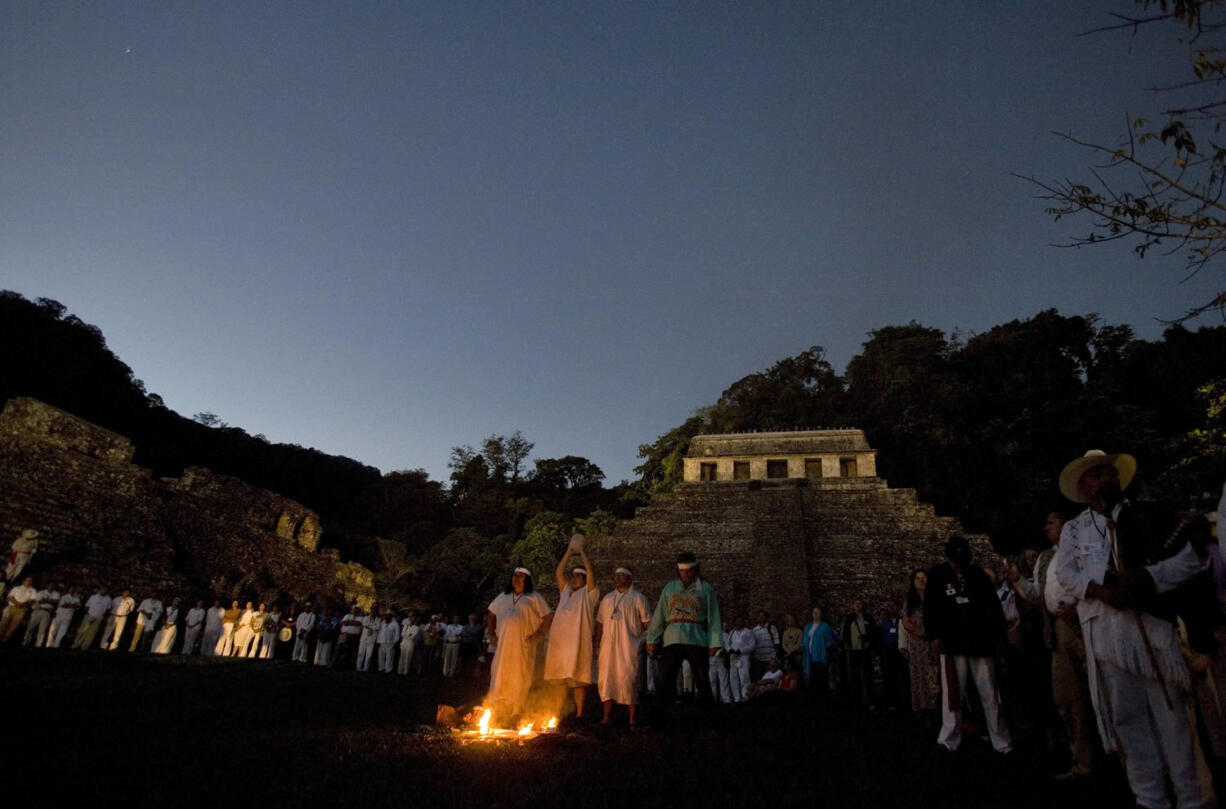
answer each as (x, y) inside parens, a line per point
(119, 729)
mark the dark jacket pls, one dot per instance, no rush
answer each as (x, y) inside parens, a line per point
(964, 614)
(871, 636)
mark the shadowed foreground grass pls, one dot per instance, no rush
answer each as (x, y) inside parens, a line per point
(158, 731)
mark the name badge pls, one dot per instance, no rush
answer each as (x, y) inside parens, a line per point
(962, 600)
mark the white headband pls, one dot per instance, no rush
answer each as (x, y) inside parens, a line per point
(523, 570)
(622, 570)
(582, 570)
(686, 565)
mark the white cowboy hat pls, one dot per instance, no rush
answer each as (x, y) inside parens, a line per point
(1124, 463)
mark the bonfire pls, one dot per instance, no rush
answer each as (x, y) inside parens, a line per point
(476, 726)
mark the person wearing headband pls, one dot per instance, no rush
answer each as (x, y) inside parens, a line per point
(687, 620)
(569, 658)
(623, 617)
(516, 620)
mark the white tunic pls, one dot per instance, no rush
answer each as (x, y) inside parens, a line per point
(622, 617)
(569, 656)
(514, 665)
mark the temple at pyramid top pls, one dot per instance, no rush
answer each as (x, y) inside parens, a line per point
(812, 454)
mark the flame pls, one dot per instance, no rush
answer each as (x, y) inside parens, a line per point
(483, 724)
(526, 730)
(552, 723)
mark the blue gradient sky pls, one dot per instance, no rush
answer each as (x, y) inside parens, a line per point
(385, 229)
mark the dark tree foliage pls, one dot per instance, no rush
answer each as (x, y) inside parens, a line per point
(982, 428)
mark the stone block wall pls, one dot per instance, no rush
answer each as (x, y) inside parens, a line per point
(104, 521)
(786, 545)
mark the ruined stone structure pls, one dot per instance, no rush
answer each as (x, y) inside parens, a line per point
(105, 521)
(812, 454)
(787, 543)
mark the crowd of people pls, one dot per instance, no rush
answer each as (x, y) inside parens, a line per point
(1104, 638)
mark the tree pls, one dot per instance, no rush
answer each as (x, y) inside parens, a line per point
(545, 537)
(569, 472)
(1161, 184)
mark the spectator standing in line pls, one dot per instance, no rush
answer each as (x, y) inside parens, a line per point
(766, 645)
(470, 645)
(389, 639)
(67, 607)
(212, 628)
(740, 654)
(45, 602)
(923, 663)
(350, 636)
(964, 623)
(410, 633)
(860, 638)
(147, 616)
(819, 644)
(229, 620)
(193, 623)
(96, 608)
(164, 637)
(122, 606)
(791, 641)
(304, 629)
(18, 602)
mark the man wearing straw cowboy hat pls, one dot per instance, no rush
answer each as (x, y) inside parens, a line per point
(1139, 683)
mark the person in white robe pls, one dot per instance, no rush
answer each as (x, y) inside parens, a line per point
(192, 625)
(517, 620)
(164, 638)
(623, 617)
(569, 658)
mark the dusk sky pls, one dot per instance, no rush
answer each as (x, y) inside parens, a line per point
(386, 229)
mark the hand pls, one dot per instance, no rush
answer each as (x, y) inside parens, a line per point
(651, 648)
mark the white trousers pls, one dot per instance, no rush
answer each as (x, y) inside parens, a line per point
(406, 656)
(242, 640)
(164, 639)
(323, 652)
(1157, 742)
(225, 644)
(983, 671)
(208, 646)
(451, 659)
(301, 647)
(720, 686)
(189, 639)
(112, 632)
(37, 629)
(59, 628)
(366, 649)
(387, 657)
(738, 677)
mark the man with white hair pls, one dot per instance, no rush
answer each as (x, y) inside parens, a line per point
(569, 658)
(1124, 569)
(621, 622)
(687, 620)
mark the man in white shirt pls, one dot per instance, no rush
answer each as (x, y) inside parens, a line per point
(67, 607)
(192, 625)
(371, 624)
(272, 620)
(45, 602)
(19, 600)
(389, 637)
(451, 646)
(96, 608)
(303, 628)
(122, 606)
(147, 616)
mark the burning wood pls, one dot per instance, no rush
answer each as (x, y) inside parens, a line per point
(476, 726)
